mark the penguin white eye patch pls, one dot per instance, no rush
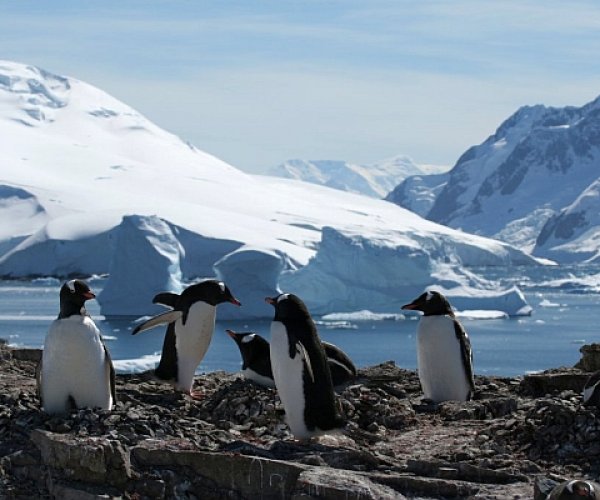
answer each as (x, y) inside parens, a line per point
(71, 285)
(248, 338)
(222, 286)
(283, 296)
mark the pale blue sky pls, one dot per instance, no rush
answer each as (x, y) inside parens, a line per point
(257, 83)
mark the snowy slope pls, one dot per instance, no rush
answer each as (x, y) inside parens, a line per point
(573, 235)
(539, 162)
(374, 180)
(88, 185)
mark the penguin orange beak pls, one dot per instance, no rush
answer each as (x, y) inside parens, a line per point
(89, 295)
(270, 300)
(231, 333)
(235, 301)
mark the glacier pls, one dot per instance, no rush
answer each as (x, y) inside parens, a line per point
(90, 186)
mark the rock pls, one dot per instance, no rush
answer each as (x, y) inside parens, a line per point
(590, 358)
(341, 485)
(27, 354)
(157, 443)
(552, 382)
(251, 477)
(94, 460)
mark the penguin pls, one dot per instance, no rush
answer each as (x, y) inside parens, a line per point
(444, 355)
(76, 370)
(591, 390)
(191, 324)
(300, 370)
(256, 361)
(575, 489)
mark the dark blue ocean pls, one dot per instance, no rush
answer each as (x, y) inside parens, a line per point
(563, 319)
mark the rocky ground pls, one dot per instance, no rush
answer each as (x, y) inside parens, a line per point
(517, 435)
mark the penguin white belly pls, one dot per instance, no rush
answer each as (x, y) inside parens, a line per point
(288, 376)
(192, 341)
(250, 374)
(440, 363)
(74, 364)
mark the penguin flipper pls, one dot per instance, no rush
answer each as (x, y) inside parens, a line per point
(296, 347)
(168, 299)
(301, 350)
(38, 381)
(466, 353)
(161, 319)
(111, 375)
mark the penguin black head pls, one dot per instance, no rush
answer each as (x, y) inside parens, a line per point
(431, 303)
(212, 292)
(576, 489)
(73, 295)
(288, 307)
(250, 345)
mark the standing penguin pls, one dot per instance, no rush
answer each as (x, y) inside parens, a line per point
(444, 356)
(300, 370)
(256, 361)
(75, 370)
(190, 328)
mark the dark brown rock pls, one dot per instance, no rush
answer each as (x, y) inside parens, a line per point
(590, 358)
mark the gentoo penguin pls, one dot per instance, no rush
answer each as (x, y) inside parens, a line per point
(444, 356)
(591, 391)
(256, 361)
(190, 328)
(576, 489)
(75, 370)
(300, 370)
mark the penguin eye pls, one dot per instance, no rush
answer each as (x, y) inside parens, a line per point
(71, 285)
(283, 296)
(248, 338)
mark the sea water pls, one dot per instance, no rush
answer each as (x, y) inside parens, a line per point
(560, 323)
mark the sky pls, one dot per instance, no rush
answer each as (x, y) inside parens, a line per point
(257, 83)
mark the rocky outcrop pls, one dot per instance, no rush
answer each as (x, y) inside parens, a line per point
(155, 443)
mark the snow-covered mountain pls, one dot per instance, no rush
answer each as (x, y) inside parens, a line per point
(376, 179)
(90, 186)
(537, 168)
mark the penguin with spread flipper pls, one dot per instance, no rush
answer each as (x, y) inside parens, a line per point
(191, 324)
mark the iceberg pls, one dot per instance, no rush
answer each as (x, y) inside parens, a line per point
(107, 192)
